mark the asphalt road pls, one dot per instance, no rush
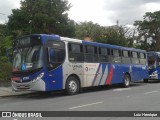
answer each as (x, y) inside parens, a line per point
(138, 97)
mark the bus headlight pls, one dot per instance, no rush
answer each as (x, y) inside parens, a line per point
(38, 77)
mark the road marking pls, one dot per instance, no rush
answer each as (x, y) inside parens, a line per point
(150, 92)
(122, 89)
(85, 105)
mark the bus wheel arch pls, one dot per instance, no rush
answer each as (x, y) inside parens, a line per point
(126, 80)
(72, 85)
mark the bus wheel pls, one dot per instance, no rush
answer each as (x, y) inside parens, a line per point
(127, 80)
(145, 80)
(72, 86)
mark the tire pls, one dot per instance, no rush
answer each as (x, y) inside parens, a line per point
(145, 80)
(127, 81)
(72, 86)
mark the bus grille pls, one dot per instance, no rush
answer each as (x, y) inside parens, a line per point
(23, 87)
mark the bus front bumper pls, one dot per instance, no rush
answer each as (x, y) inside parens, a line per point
(38, 85)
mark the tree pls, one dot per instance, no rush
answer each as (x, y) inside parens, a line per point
(5, 42)
(149, 31)
(114, 35)
(88, 29)
(41, 16)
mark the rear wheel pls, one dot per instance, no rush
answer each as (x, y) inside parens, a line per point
(127, 80)
(72, 86)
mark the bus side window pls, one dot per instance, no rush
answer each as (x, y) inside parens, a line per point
(75, 52)
(135, 59)
(126, 57)
(142, 58)
(116, 55)
(91, 53)
(104, 54)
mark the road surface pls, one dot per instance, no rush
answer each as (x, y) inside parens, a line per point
(138, 97)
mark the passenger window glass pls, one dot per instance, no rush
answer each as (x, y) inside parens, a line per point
(91, 54)
(76, 52)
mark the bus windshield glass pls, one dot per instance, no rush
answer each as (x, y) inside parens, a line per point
(151, 60)
(27, 57)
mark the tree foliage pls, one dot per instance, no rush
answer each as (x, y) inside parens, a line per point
(111, 35)
(90, 29)
(114, 35)
(41, 16)
(149, 31)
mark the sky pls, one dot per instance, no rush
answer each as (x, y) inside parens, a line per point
(103, 12)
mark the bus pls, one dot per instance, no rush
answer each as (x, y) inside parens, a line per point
(45, 62)
(153, 65)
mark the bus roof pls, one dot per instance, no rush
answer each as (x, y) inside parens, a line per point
(88, 43)
(99, 44)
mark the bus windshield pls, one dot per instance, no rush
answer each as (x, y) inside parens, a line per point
(151, 61)
(27, 58)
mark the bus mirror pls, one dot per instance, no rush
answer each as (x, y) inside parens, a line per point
(9, 55)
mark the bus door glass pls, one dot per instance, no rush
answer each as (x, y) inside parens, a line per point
(151, 60)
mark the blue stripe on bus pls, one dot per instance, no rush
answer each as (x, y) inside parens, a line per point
(103, 70)
(96, 75)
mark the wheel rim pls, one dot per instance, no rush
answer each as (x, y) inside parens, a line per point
(127, 80)
(72, 86)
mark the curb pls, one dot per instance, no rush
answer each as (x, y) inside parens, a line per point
(7, 91)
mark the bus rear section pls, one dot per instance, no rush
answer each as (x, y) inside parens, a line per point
(153, 66)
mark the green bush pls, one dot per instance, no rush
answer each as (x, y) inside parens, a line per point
(5, 71)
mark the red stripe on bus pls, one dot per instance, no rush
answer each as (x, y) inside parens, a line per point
(110, 75)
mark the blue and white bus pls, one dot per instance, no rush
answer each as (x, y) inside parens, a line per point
(49, 62)
(153, 65)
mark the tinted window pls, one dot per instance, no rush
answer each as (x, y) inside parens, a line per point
(75, 48)
(142, 55)
(56, 54)
(91, 53)
(125, 54)
(134, 54)
(126, 57)
(91, 49)
(104, 55)
(76, 52)
(135, 59)
(103, 51)
(115, 52)
(142, 58)
(116, 55)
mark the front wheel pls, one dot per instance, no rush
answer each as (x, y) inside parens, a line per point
(127, 80)
(72, 86)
